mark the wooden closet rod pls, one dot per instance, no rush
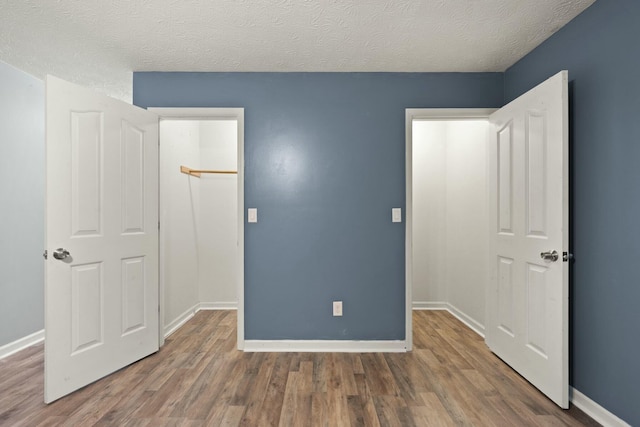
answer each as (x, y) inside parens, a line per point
(198, 172)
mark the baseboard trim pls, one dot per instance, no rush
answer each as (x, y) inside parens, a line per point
(429, 305)
(20, 344)
(324, 346)
(595, 411)
(473, 324)
(233, 305)
(187, 315)
(181, 320)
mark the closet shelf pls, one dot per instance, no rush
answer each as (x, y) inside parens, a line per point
(198, 172)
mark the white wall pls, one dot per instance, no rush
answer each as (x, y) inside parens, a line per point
(450, 214)
(179, 207)
(198, 216)
(467, 225)
(22, 200)
(218, 233)
(429, 214)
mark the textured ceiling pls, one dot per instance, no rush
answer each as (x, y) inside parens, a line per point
(99, 43)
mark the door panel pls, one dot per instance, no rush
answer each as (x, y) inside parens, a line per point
(527, 296)
(536, 173)
(505, 295)
(101, 300)
(505, 178)
(87, 321)
(133, 294)
(133, 187)
(86, 179)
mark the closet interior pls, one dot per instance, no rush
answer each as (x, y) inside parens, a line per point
(198, 217)
(450, 216)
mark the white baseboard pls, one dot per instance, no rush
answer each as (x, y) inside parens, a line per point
(187, 315)
(180, 320)
(476, 326)
(429, 305)
(595, 411)
(20, 344)
(229, 305)
(325, 346)
(472, 323)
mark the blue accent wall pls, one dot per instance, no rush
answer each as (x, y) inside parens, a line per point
(324, 165)
(600, 50)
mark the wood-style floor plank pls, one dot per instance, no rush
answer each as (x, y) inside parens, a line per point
(199, 379)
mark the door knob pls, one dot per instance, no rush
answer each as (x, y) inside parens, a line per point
(61, 253)
(549, 256)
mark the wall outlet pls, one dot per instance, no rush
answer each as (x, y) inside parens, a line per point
(337, 308)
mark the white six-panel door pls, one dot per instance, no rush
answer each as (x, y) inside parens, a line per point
(101, 299)
(527, 296)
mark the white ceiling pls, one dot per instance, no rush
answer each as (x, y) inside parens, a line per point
(99, 43)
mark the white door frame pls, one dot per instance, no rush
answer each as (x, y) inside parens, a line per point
(411, 114)
(214, 114)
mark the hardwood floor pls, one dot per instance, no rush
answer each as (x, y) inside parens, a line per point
(198, 378)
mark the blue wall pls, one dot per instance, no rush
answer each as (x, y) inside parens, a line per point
(22, 201)
(324, 165)
(600, 50)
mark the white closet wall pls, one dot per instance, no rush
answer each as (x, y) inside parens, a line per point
(450, 215)
(429, 213)
(179, 207)
(198, 217)
(218, 241)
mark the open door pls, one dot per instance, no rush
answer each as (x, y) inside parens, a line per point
(101, 272)
(527, 297)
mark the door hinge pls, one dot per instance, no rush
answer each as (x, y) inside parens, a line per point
(45, 255)
(158, 225)
(566, 256)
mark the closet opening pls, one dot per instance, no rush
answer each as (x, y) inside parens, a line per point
(447, 212)
(201, 221)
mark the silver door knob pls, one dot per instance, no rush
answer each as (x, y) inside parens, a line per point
(61, 253)
(549, 256)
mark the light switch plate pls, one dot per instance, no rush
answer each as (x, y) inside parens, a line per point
(337, 308)
(252, 215)
(396, 215)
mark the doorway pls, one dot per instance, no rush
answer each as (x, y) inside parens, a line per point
(526, 288)
(446, 215)
(201, 214)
